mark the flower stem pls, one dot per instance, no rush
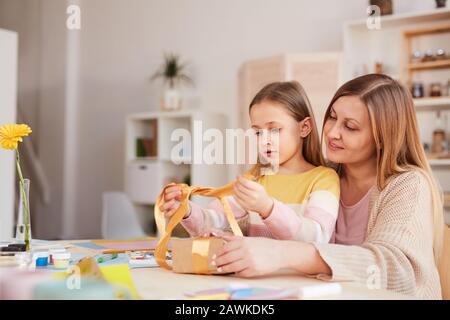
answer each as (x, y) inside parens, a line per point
(24, 202)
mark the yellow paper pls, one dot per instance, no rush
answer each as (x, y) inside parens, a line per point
(119, 274)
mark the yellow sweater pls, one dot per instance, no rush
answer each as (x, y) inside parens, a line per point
(305, 208)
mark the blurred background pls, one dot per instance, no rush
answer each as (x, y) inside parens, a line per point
(88, 77)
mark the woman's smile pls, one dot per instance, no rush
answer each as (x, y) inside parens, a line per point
(334, 147)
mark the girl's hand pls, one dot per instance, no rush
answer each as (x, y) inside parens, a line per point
(215, 233)
(248, 257)
(252, 196)
(172, 197)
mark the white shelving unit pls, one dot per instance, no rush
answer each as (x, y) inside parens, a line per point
(364, 47)
(145, 176)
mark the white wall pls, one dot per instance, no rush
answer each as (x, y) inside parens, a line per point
(8, 94)
(41, 98)
(120, 45)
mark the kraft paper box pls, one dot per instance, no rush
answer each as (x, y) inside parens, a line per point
(185, 257)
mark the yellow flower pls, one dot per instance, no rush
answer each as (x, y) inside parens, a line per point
(11, 135)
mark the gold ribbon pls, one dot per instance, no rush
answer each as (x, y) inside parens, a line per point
(199, 250)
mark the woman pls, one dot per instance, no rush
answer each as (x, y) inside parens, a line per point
(389, 230)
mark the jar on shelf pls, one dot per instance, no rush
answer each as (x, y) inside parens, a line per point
(435, 89)
(417, 90)
(416, 56)
(428, 56)
(440, 54)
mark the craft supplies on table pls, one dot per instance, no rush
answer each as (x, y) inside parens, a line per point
(120, 246)
(92, 281)
(13, 247)
(41, 258)
(141, 259)
(52, 251)
(61, 260)
(106, 257)
(246, 292)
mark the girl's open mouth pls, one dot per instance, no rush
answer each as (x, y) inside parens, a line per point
(270, 153)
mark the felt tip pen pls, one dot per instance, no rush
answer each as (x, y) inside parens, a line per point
(107, 257)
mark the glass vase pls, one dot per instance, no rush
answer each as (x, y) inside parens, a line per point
(23, 227)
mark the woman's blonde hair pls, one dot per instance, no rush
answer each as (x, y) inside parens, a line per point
(396, 133)
(292, 96)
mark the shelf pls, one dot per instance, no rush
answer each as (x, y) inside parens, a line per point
(439, 64)
(395, 20)
(439, 162)
(432, 103)
(427, 31)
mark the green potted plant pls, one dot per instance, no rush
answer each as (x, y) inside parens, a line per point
(173, 72)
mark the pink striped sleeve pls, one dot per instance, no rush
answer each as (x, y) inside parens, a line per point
(315, 225)
(195, 222)
(200, 220)
(325, 219)
(282, 222)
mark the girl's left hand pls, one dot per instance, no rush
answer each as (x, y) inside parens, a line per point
(248, 257)
(252, 196)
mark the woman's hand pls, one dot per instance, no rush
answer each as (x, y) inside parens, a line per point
(252, 196)
(172, 197)
(249, 257)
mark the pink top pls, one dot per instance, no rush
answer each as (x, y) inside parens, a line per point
(351, 224)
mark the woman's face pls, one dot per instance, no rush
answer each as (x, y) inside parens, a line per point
(278, 133)
(348, 132)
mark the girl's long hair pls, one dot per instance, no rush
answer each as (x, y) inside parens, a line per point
(394, 127)
(292, 96)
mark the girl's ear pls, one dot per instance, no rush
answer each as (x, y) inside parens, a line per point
(305, 127)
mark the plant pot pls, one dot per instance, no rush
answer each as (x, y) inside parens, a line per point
(171, 99)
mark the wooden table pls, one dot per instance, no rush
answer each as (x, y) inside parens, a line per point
(158, 283)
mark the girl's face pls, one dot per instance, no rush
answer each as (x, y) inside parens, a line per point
(279, 135)
(348, 132)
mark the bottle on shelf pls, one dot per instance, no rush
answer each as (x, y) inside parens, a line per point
(439, 143)
(418, 90)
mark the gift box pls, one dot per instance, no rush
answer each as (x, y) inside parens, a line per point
(193, 255)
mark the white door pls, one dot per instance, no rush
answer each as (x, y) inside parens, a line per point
(8, 96)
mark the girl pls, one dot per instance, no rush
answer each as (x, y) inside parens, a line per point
(389, 230)
(300, 201)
